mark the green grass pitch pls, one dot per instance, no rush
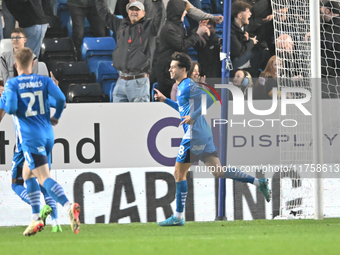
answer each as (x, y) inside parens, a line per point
(275, 237)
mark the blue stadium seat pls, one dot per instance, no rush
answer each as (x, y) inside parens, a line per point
(111, 91)
(95, 49)
(206, 6)
(192, 53)
(107, 76)
(153, 92)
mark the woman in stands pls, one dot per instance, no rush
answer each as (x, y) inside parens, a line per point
(263, 88)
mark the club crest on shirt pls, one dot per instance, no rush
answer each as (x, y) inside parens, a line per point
(41, 149)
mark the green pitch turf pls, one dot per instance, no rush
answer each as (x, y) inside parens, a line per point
(275, 237)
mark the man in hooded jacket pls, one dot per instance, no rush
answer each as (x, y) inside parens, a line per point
(174, 37)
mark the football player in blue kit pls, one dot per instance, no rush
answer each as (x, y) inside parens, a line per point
(197, 143)
(27, 99)
(18, 182)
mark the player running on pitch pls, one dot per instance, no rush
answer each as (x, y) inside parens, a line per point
(197, 143)
(27, 100)
(17, 179)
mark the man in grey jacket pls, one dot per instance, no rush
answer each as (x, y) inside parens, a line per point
(7, 69)
(136, 37)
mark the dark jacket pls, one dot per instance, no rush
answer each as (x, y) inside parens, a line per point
(173, 37)
(208, 56)
(263, 87)
(135, 42)
(27, 12)
(238, 47)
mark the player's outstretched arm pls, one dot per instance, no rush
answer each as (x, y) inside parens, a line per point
(159, 96)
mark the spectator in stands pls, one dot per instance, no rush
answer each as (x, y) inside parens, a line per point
(32, 19)
(263, 88)
(194, 74)
(79, 10)
(208, 52)
(241, 45)
(261, 24)
(7, 69)
(174, 37)
(197, 15)
(243, 80)
(9, 21)
(330, 48)
(136, 36)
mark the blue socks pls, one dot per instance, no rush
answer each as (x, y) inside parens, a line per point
(33, 192)
(55, 191)
(21, 192)
(181, 195)
(49, 201)
(237, 175)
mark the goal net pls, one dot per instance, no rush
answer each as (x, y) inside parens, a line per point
(292, 30)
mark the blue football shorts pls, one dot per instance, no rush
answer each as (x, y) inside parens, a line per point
(192, 150)
(37, 151)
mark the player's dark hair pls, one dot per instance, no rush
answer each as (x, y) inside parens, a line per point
(184, 61)
(238, 7)
(23, 57)
(19, 30)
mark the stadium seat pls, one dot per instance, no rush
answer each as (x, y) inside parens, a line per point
(106, 76)
(73, 72)
(85, 93)
(153, 92)
(5, 45)
(97, 46)
(95, 49)
(42, 69)
(57, 47)
(206, 6)
(111, 91)
(54, 50)
(192, 53)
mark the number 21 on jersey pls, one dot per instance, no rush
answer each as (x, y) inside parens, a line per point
(32, 98)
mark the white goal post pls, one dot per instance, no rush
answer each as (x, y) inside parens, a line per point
(300, 46)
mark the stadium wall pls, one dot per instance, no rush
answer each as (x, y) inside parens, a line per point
(116, 160)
